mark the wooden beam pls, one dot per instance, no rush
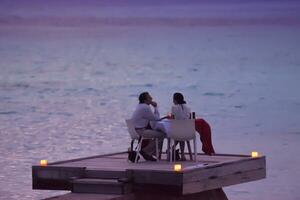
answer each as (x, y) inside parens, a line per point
(155, 177)
(84, 158)
(221, 169)
(55, 178)
(221, 181)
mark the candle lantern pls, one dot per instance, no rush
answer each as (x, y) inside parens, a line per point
(43, 162)
(177, 167)
(254, 154)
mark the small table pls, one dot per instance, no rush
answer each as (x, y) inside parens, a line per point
(162, 125)
(165, 126)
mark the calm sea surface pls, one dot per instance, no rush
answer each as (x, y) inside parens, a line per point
(65, 92)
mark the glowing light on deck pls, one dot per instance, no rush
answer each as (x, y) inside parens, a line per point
(43, 162)
(254, 154)
(177, 167)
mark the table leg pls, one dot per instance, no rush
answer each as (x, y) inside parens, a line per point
(168, 150)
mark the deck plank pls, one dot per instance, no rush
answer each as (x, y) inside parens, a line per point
(120, 162)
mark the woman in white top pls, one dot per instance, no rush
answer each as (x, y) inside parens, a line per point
(180, 111)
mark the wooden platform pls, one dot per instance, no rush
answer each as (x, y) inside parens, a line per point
(113, 174)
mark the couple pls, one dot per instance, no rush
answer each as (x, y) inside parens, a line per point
(143, 115)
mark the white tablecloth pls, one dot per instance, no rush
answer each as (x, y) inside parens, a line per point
(162, 125)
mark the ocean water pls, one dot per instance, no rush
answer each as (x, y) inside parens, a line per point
(65, 91)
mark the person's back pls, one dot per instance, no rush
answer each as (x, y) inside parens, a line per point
(142, 117)
(180, 111)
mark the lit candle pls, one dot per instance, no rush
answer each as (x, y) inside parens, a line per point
(43, 162)
(177, 167)
(254, 154)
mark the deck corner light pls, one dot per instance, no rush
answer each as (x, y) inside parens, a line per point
(254, 154)
(43, 162)
(177, 167)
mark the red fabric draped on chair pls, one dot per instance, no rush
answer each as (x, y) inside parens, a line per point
(204, 130)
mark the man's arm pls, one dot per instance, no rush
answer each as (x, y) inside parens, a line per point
(148, 114)
(156, 112)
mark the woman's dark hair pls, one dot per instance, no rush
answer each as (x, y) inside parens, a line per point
(178, 97)
(143, 97)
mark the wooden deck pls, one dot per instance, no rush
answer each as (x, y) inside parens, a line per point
(114, 174)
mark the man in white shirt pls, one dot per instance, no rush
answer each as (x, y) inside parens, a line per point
(142, 117)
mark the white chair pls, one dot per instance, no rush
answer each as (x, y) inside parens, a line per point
(183, 131)
(135, 136)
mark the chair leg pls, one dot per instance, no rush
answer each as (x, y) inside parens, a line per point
(171, 151)
(190, 150)
(161, 149)
(159, 154)
(131, 145)
(182, 153)
(156, 149)
(168, 150)
(138, 150)
(195, 149)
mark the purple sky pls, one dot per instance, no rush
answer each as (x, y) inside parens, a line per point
(155, 12)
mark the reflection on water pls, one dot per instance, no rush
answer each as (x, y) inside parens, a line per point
(65, 96)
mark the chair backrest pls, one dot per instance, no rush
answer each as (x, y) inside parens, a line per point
(182, 130)
(131, 129)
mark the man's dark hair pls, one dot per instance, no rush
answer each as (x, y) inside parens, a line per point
(143, 97)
